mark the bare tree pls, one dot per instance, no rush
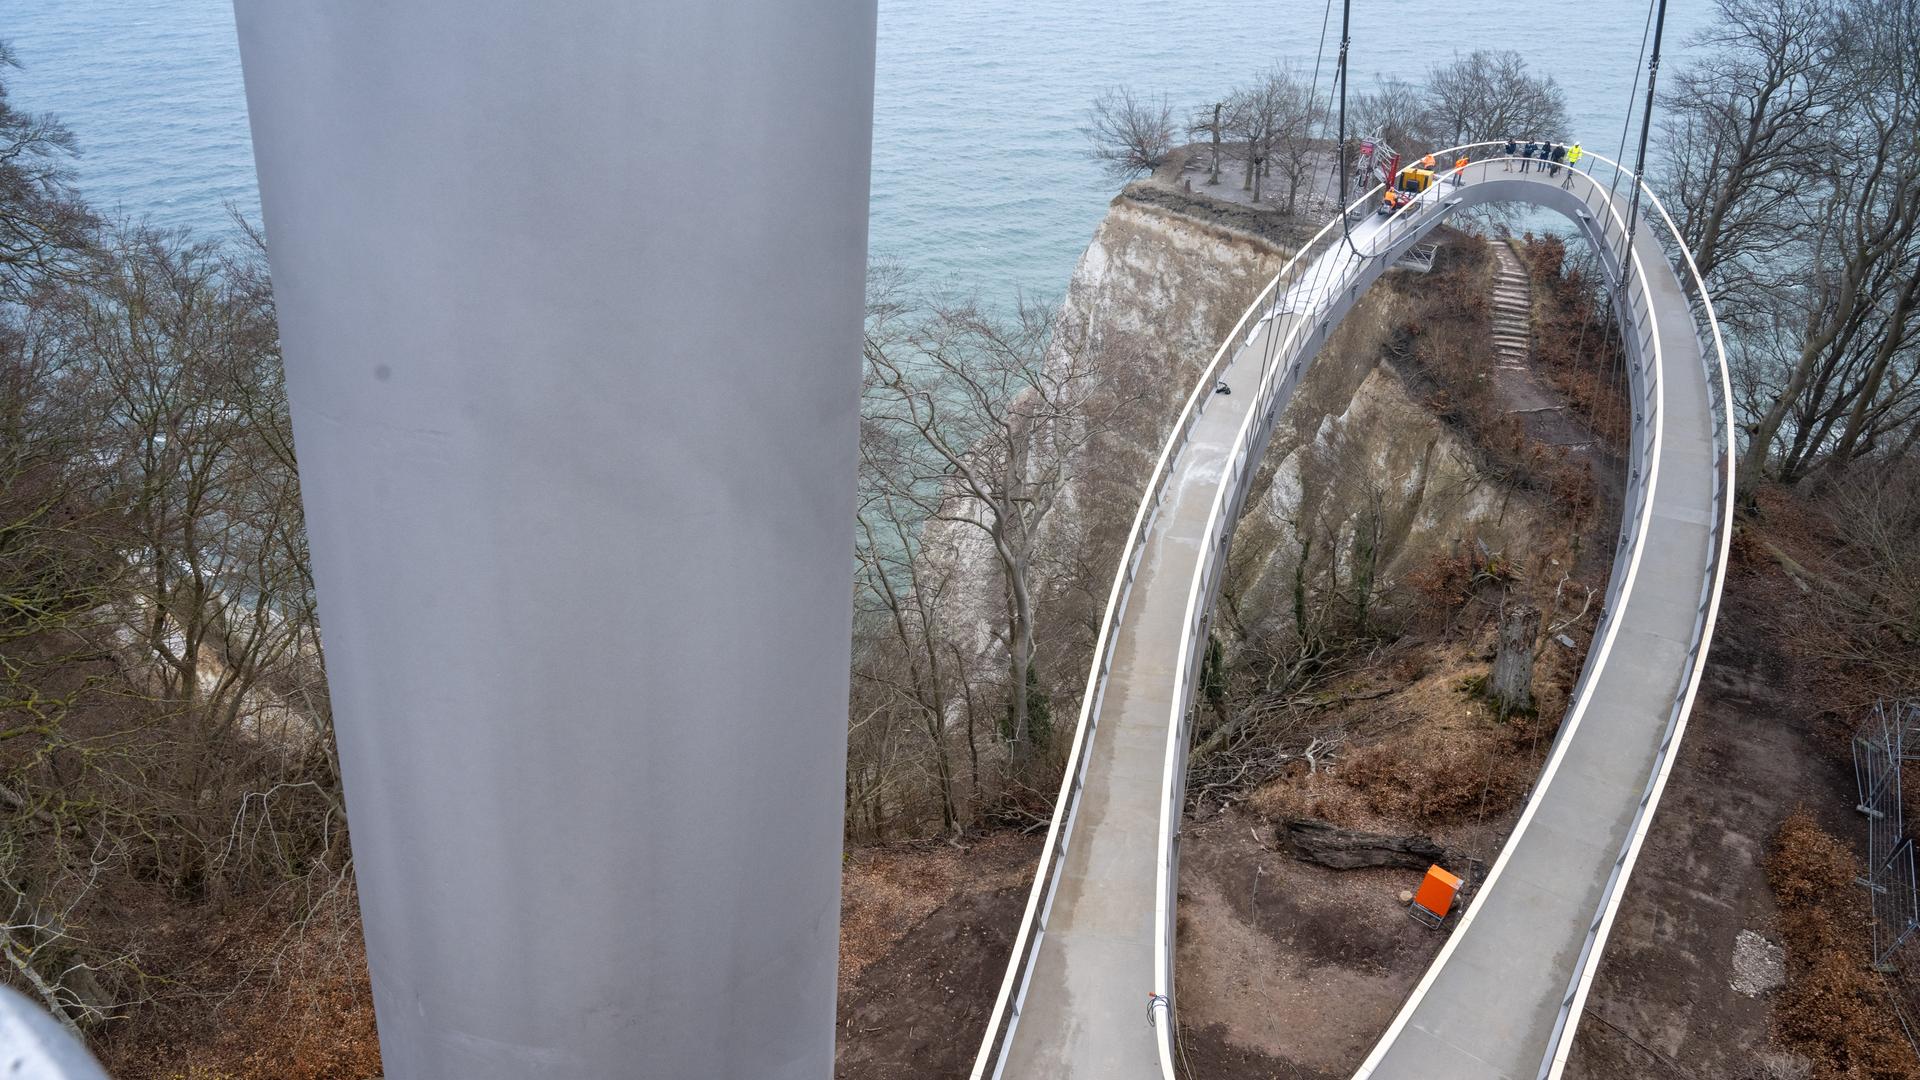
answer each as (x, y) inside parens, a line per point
(1213, 122)
(1489, 95)
(43, 224)
(908, 670)
(1742, 128)
(1789, 154)
(1873, 602)
(1257, 112)
(1129, 134)
(987, 417)
(1836, 369)
(1393, 113)
(1880, 44)
(1294, 148)
(905, 653)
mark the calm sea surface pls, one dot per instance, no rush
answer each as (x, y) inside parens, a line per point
(979, 174)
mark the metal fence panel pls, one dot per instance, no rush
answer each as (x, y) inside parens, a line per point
(1878, 749)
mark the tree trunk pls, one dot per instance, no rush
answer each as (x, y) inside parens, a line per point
(1896, 334)
(1213, 177)
(1019, 653)
(1325, 844)
(1512, 683)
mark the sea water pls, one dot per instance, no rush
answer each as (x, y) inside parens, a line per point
(980, 172)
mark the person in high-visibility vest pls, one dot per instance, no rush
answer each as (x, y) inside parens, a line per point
(1459, 169)
(1573, 162)
(1427, 162)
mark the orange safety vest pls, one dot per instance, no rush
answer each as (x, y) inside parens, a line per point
(1460, 163)
(1427, 162)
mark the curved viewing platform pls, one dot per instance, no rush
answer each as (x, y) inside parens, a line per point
(1089, 992)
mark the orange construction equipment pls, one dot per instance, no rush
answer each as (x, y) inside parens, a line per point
(1435, 899)
(1415, 180)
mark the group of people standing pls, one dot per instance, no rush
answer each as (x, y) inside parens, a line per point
(1550, 155)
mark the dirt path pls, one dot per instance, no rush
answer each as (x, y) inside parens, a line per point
(1663, 1004)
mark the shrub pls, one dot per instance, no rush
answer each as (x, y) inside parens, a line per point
(1834, 1008)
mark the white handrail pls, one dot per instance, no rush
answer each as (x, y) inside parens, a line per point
(1162, 999)
(1584, 694)
(1720, 541)
(1201, 590)
(1019, 965)
(1007, 1005)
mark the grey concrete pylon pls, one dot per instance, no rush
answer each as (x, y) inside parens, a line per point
(571, 299)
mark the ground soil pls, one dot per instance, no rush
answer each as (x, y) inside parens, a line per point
(1663, 1003)
(1759, 744)
(253, 993)
(926, 930)
(1288, 969)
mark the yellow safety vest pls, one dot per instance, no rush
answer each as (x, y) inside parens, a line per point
(1573, 155)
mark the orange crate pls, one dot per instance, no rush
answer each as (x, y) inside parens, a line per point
(1435, 898)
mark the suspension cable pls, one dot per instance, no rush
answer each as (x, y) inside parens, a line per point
(1646, 127)
(1313, 101)
(1346, 40)
(1626, 121)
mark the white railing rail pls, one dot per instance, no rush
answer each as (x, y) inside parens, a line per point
(1316, 290)
(1007, 1005)
(1720, 538)
(1641, 325)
